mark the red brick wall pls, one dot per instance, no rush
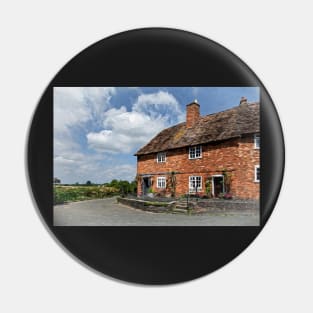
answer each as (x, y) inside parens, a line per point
(237, 156)
(248, 157)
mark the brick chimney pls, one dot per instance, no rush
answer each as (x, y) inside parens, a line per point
(192, 113)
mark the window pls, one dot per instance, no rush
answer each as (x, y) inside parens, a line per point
(161, 157)
(195, 183)
(161, 182)
(257, 173)
(195, 152)
(256, 141)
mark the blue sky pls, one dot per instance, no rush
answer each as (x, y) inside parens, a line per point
(98, 129)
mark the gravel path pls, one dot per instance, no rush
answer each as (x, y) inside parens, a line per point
(107, 212)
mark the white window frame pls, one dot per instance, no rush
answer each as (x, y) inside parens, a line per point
(256, 168)
(193, 150)
(161, 182)
(256, 141)
(194, 178)
(161, 157)
(213, 188)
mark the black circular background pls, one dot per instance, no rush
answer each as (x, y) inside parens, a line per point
(154, 57)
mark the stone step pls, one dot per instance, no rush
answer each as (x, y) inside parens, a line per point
(178, 210)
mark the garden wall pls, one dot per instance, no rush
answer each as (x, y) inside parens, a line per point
(151, 206)
(229, 204)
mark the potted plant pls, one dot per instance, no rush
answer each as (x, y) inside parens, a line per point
(228, 196)
(150, 193)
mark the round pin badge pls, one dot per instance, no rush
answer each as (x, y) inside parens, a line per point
(155, 156)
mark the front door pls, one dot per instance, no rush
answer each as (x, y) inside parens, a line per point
(146, 184)
(218, 185)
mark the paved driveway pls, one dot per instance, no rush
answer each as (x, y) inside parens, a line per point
(107, 212)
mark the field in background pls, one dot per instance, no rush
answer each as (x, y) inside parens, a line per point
(63, 194)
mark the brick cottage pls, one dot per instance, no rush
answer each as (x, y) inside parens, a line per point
(214, 155)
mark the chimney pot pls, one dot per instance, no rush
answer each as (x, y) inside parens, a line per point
(243, 101)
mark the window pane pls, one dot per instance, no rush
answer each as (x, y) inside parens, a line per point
(191, 152)
(195, 152)
(198, 151)
(195, 183)
(161, 157)
(161, 182)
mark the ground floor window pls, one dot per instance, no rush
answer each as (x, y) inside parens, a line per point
(257, 173)
(161, 182)
(195, 183)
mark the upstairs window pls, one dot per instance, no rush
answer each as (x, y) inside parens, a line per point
(161, 157)
(161, 182)
(195, 183)
(256, 141)
(257, 174)
(195, 152)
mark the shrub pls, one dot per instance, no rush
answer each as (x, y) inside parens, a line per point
(228, 196)
(225, 195)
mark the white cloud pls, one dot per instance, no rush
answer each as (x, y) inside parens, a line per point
(107, 141)
(159, 103)
(122, 172)
(125, 130)
(91, 168)
(74, 106)
(121, 131)
(61, 160)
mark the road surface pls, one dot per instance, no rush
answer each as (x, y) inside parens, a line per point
(107, 212)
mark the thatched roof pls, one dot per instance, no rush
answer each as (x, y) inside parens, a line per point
(232, 123)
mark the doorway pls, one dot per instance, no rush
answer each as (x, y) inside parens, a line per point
(217, 185)
(146, 184)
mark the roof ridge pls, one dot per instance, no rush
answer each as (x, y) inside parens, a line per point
(229, 109)
(218, 126)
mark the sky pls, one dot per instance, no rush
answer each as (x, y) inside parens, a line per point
(97, 130)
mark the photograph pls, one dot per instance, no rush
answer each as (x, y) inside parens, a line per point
(156, 156)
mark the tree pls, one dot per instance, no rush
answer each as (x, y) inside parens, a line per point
(88, 182)
(133, 186)
(56, 180)
(113, 183)
(123, 186)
